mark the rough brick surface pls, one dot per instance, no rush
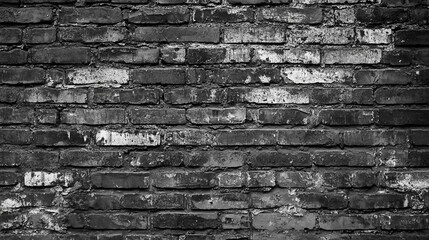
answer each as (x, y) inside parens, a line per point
(214, 119)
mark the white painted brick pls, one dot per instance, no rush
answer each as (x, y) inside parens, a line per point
(316, 35)
(122, 138)
(374, 36)
(41, 179)
(252, 34)
(98, 75)
(352, 56)
(305, 56)
(277, 95)
(316, 75)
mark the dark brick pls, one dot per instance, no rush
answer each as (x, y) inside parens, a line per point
(120, 180)
(172, 55)
(275, 198)
(281, 116)
(381, 15)
(177, 34)
(59, 55)
(129, 55)
(108, 221)
(223, 15)
(216, 115)
(248, 137)
(346, 117)
(30, 159)
(219, 201)
(382, 77)
(81, 158)
(21, 75)
(419, 137)
(157, 159)
(158, 76)
(102, 15)
(313, 200)
(92, 34)
(13, 57)
(9, 95)
(83, 201)
(397, 57)
(405, 222)
(399, 117)
(290, 15)
(349, 179)
(355, 158)
(412, 38)
(276, 222)
(15, 136)
(193, 220)
(61, 138)
(164, 15)
(10, 35)
(379, 201)
(296, 137)
(47, 116)
(402, 95)
(40, 35)
(26, 15)
(279, 159)
(348, 221)
(157, 116)
(8, 179)
(154, 201)
(93, 116)
(131, 96)
(224, 159)
(374, 138)
(181, 180)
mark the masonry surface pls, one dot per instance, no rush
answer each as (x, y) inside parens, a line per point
(214, 119)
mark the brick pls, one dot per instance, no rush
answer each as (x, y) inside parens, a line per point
(260, 179)
(8, 178)
(95, 201)
(60, 55)
(11, 221)
(15, 115)
(399, 3)
(419, 138)
(257, 2)
(120, 180)
(188, 95)
(280, 116)
(412, 38)
(381, 15)
(15, 136)
(10, 35)
(373, 36)
(180, 220)
(379, 201)
(131, 96)
(397, 57)
(158, 15)
(348, 221)
(320, 35)
(301, 75)
(173, 55)
(248, 137)
(222, 15)
(362, 96)
(265, 95)
(230, 179)
(184, 180)
(9, 95)
(40, 35)
(279, 159)
(158, 76)
(177, 34)
(16, 200)
(313, 200)
(61, 138)
(298, 179)
(355, 158)
(274, 198)
(157, 159)
(93, 116)
(189, 137)
(422, 57)
(223, 159)
(382, 77)
(235, 221)
(98, 75)
(216, 115)
(13, 57)
(91, 34)
(127, 138)
(292, 15)
(349, 179)
(26, 15)
(421, 76)
(296, 137)
(253, 34)
(113, 221)
(404, 222)
(398, 158)
(278, 221)
(352, 56)
(219, 201)
(22, 75)
(347, 117)
(154, 201)
(129, 55)
(409, 181)
(345, 15)
(82, 158)
(400, 117)
(304, 56)
(157, 116)
(102, 15)
(43, 179)
(374, 138)
(51, 95)
(218, 55)
(234, 76)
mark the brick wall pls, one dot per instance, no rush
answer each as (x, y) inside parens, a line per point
(214, 120)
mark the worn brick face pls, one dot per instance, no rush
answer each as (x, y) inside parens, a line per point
(214, 120)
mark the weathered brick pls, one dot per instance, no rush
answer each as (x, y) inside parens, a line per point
(304, 56)
(8, 178)
(10, 35)
(13, 57)
(15, 136)
(231, 179)
(16, 200)
(253, 34)
(9, 95)
(157, 116)
(373, 36)
(158, 76)
(61, 137)
(40, 35)
(406, 180)
(381, 77)
(374, 137)
(10, 220)
(180, 220)
(194, 95)
(26, 15)
(113, 221)
(52, 95)
(422, 57)
(61, 55)
(98, 75)
(379, 201)
(265, 95)
(412, 38)
(154, 201)
(274, 198)
(279, 222)
(188, 137)
(362, 96)
(301, 75)
(399, 117)
(397, 57)
(131, 96)
(234, 76)
(404, 222)
(279, 159)
(345, 117)
(352, 56)
(349, 179)
(157, 159)
(15, 115)
(292, 15)
(248, 137)
(22, 75)
(280, 116)
(122, 180)
(358, 158)
(219, 201)
(43, 179)
(216, 115)
(91, 34)
(222, 159)
(96, 201)
(127, 138)
(348, 221)
(93, 116)
(381, 15)
(82, 158)
(260, 179)
(296, 137)
(102, 15)
(158, 15)
(183, 180)
(313, 200)
(218, 55)
(222, 15)
(129, 55)
(173, 55)
(239, 220)
(177, 34)
(319, 35)
(257, 2)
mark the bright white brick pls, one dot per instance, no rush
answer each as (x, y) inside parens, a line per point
(277, 95)
(316, 75)
(251, 34)
(374, 36)
(116, 138)
(98, 75)
(306, 56)
(41, 179)
(316, 35)
(352, 56)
